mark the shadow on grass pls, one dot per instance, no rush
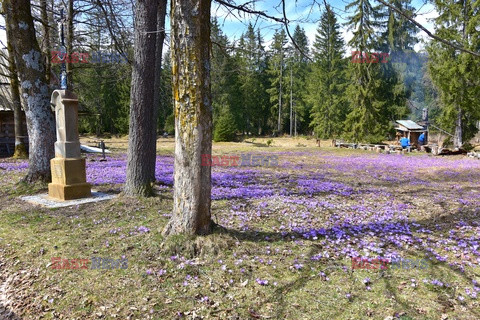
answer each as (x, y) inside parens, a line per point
(6, 314)
(257, 144)
(437, 270)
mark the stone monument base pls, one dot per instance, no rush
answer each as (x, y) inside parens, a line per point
(68, 179)
(69, 192)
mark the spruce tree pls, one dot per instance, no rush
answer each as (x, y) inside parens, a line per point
(250, 56)
(226, 94)
(375, 94)
(399, 34)
(398, 39)
(276, 70)
(327, 80)
(225, 127)
(364, 121)
(455, 73)
(297, 71)
(262, 97)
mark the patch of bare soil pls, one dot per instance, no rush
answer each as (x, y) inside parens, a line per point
(16, 291)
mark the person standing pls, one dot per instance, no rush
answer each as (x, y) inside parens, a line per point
(421, 139)
(405, 143)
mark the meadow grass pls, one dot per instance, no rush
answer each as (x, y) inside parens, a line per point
(281, 256)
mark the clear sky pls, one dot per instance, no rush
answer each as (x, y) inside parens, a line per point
(298, 12)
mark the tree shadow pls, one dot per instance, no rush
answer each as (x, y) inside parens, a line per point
(260, 145)
(6, 314)
(436, 268)
(256, 144)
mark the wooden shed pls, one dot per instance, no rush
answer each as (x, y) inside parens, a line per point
(7, 127)
(409, 129)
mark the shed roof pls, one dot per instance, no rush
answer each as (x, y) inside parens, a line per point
(410, 125)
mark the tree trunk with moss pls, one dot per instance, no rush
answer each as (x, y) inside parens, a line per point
(30, 68)
(141, 154)
(190, 43)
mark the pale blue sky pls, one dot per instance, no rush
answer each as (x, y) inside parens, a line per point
(299, 12)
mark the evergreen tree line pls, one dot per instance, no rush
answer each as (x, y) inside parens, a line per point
(305, 89)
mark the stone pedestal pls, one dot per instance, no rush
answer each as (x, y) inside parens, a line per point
(68, 168)
(68, 179)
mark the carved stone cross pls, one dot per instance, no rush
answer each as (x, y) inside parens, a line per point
(66, 114)
(68, 167)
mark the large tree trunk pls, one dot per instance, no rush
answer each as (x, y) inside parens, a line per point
(30, 67)
(190, 43)
(161, 13)
(141, 154)
(20, 150)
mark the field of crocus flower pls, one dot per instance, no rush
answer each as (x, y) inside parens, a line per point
(282, 249)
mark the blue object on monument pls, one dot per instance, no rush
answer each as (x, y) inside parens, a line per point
(63, 80)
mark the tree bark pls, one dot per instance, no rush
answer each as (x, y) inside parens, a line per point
(70, 15)
(30, 67)
(291, 100)
(46, 38)
(457, 143)
(20, 150)
(160, 37)
(141, 154)
(279, 126)
(190, 43)
(53, 25)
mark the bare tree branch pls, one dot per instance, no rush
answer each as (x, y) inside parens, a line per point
(289, 35)
(244, 8)
(109, 26)
(431, 35)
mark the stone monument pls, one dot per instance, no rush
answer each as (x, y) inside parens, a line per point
(68, 167)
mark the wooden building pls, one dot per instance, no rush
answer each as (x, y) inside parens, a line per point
(7, 127)
(7, 131)
(411, 130)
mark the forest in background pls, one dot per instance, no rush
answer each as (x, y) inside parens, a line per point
(290, 86)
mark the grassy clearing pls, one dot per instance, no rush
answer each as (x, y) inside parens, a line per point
(259, 263)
